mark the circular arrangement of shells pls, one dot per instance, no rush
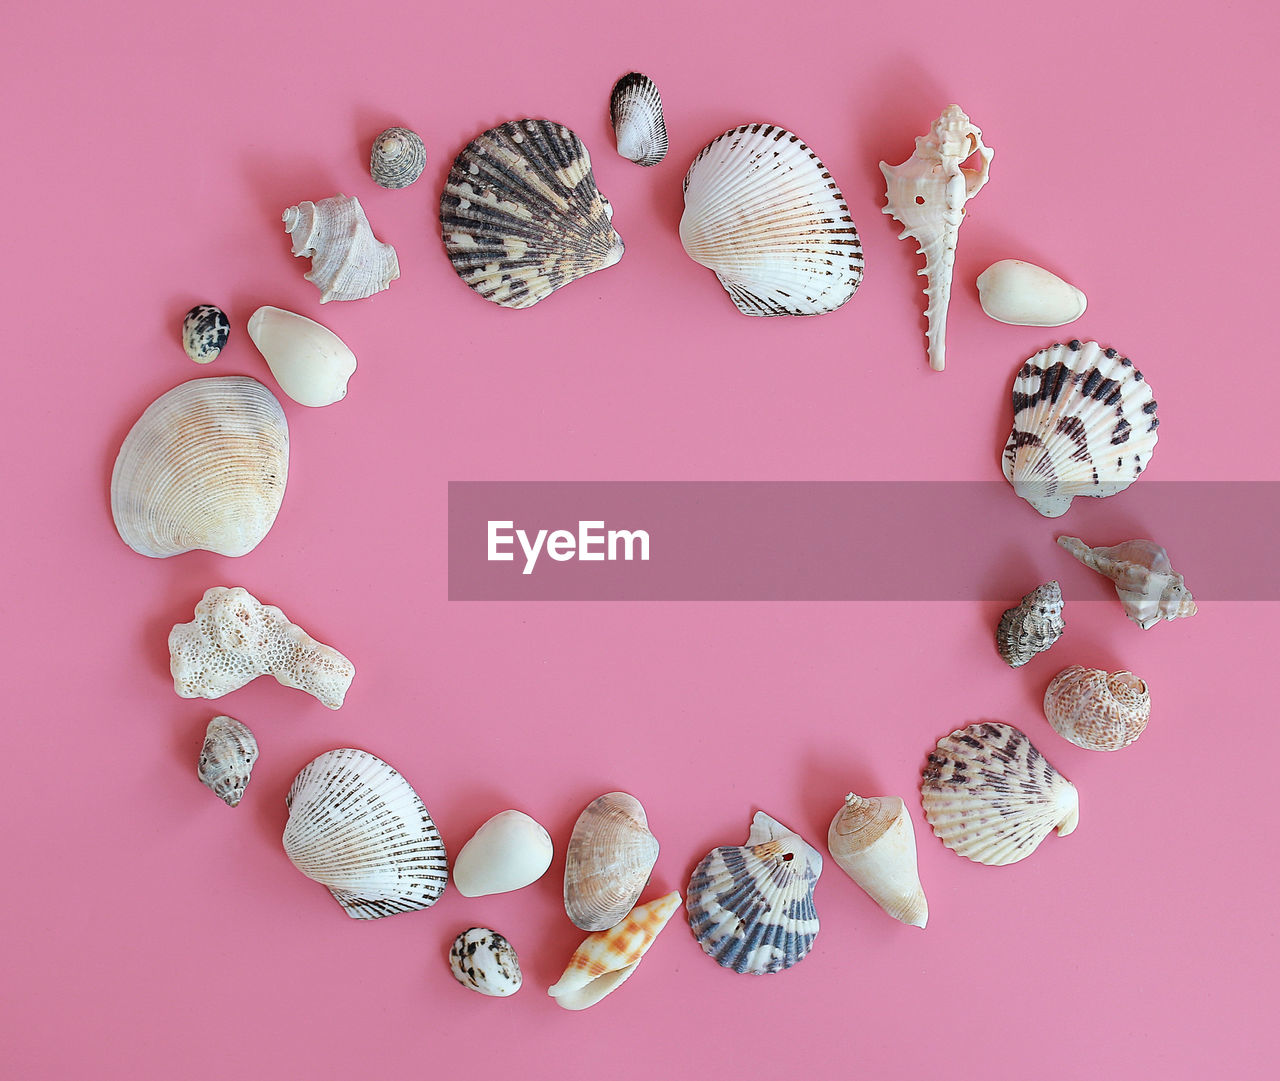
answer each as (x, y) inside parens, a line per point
(205, 468)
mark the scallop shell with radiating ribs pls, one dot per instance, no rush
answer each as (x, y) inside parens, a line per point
(1084, 423)
(521, 214)
(763, 212)
(635, 109)
(226, 759)
(204, 467)
(751, 906)
(347, 261)
(992, 797)
(1148, 588)
(357, 826)
(1097, 710)
(610, 856)
(1032, 626)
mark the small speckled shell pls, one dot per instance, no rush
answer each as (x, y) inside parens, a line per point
(397, 158)
(610, 856)
(1031, 626)
(521, 215)
(1097, 710)
(226, 759)
(635, 110)
(482, 960)
(205, 330)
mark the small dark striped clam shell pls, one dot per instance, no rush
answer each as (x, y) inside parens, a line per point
(397, 158)
(1031, 626)
(226, 759)
(635, 110)
(521, 214)
(205, 329)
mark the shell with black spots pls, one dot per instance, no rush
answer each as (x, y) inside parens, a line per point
(205, 329)
(482, 960)
(635, 110)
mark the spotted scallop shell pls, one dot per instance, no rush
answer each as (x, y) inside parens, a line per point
(226, 759)
(763, 212)
(357, 826)
(992, 797)
(397, 158)
(1097, 710)
(521, 214)
(1084, 423)
(204, 467)
(751, 906)
(635, 110)
(610, 856)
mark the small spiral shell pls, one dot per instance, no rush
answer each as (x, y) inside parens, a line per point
(397, 158)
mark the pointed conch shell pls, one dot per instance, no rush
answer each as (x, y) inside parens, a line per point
(1021, 293)
(310, 362)
(873, 842)
(1031, 626)
(610, 856)
(235, 639)
(507, 853)
(606, 959)
(1097, 710)
(347, 261)
(204, 467)
(1145, 581)
(927, 194)
(635, 110)
(226, 759)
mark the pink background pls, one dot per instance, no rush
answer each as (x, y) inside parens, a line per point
(151, 931)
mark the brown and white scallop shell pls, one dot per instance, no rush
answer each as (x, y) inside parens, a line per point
(610, 857)
(226, 759)
(1097, 710)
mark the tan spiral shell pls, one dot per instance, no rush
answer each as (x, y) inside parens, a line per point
(1097, 710)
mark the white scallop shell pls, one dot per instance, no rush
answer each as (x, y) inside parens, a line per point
(204, 467)
(357, 826)
(992, 797)
(1018, 292)
(483, 960)
(310, 362)
(510, 851)
(751, 906)
(635, 110)
(1148, 588)
(1084, 423)
(397, 158)
(610, 856)
(347, 261)
(1097, 710)
(763, 212)
(226, 759)
(873, 842)
(1031, 626)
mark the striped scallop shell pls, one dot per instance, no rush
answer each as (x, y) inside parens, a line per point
(204, 467)
(397, 158)
(1084, 423)
(992, 797)
(226, 759)
(610, 857)
(521, 215)
(635, 110)
(1097, 710)
(357, 826)
(751, 906)
(764, 213)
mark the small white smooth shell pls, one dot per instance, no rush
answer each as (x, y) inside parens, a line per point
(507, 853)
(1021, 293)
(310, 362)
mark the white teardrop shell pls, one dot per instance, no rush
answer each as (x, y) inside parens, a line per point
(508, 852)
(1014, 291)
(310, 362)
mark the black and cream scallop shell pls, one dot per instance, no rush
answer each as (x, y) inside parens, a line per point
(635, 110)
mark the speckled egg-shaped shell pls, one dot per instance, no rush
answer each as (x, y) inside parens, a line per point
(226, 759)
(482, 960)
(1097, 710)
(205, 330)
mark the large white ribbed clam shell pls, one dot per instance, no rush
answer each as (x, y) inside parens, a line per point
(873, 842)
(1097, 710)
(357, 826)
(521, 215)
(992, 797)
(635, 110)
(226, 759)
(751, 906)
(927, 195)
(310, 362)
(204, 467)
(347, 261)
(1031, 626)
(610, 856)
(763, 212)
(1084, 423)
(507, 853)
(1146, 583)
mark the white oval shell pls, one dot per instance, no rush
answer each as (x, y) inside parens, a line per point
(357, 826)
(347, 261)
(482, 960)
(873, 842)
(1013, 291)
(310, 362)
(1097, 710)
(607, 864)
(507, 853)
(763, 212)
(635, 110)
(226, 759)
(205, 467)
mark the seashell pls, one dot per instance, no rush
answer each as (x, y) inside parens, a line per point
(607, 959)
(235, 639)
(484, 961)
(347, 261)
(992, 797)
(635, 110)
(397, 158)
(205, 329)
(1097, 710)
(521, 214)
(1031, 626)
(1084, 423)
(1145, 581)
(610, 856)
(310, 362)
(205, 467)
(927, 195)
(1013, 291)
(358, 827)
(762, 211)
(226, 759)
(873, 842)
(507, 853)
(751, 907)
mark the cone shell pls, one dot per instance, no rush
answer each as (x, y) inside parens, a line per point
(226, 759)
(1146, 584)
(992, 797)
(1031, 626)
(357, 826)
(751, 907)
(205, 330)
(347, 261)
(635, 110)
(482, 960)
(507, 853)
(521, 215)
(1097, 710)
(610, 856)
(607, 959)
(1084, 423)
(310, 362)
(397, 158)
(763, 212)
(204, 467)
(873, 842)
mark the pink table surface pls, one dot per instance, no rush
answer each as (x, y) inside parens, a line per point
(152, 932)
